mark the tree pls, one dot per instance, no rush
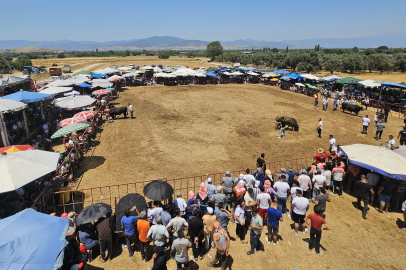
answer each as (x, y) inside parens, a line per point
(22, 62)
(163, 55)
(400, 62)
(353, 62)
(317, 47)
(355, 49)
(332, 64)
(287, 48)
(275, 50)
(5, 64)
(214, 49)
(61, 55)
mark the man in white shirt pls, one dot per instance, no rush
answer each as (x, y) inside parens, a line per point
(300, 206)
(319, 129)
(263, 201)
(325, 103)
(181, 204)
(332, 143)
(365, 124)
(249, 179)
(318, 180)
(154, 212)
(282, 190)
(130, 108)
(391, 143)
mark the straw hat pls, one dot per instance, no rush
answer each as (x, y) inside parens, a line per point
(320, 150)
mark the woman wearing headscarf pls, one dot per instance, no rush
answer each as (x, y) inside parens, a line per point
(191, 196)
(269, 189)
(204, 198)
(268, 176)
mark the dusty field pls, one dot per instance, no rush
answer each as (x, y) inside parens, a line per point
(190, 130)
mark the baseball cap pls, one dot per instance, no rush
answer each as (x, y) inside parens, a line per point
(209, 180)
(228, 173)
(64, 215)
(209, 210)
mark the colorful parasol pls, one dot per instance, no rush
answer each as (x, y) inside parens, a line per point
(69, 121)
(100, 92)
(85, 115)
(16, 148)
(70, 129)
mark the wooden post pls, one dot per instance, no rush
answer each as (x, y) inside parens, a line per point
(3, 131)
(26, 125)
(42, 112)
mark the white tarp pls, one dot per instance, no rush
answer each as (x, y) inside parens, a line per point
(300, 84)
(253, 73)
(184, 71)
(236, 73)
(146, 68)
(7, 105)
(106, 71)
(401, 151)
(13, 80)
(271, 74)
(309, 76)
(382, 161)
(331, 77)
(20, 168)
(102, 84)
(369, 83)
(74, 102)
(56, 90)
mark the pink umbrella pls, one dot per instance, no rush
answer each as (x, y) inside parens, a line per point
(101, 92)
(69, 121)
(84, 115)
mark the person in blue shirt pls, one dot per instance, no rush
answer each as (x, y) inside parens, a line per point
(274, 216)
(87, 236)
(291, 174)
(158, 260)
(129, 226)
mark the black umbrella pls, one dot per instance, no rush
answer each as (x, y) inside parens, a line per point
(126, 202)
(92, 213)
(158, 190)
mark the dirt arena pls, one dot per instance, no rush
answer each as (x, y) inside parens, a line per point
(191, 130)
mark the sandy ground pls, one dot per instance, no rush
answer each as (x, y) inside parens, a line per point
(191, 130)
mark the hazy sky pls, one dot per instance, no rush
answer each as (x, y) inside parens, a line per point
(101, 20)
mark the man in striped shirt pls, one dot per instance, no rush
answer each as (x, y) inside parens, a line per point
(338, 174)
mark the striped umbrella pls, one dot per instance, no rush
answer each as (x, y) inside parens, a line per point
(69, 121)
(85, 115)
(100, 92)
(16, 148)
(70, 129)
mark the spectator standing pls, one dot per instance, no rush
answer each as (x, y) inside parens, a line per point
(196, 229)
(400, 194)
(319, 129)
(305, 183)
(143, 228)
(130, 108)
(165, 215)
(318, 180)
(180, 247)
(208, 221)
(249, 205)
(181, 204)
(365, 124)
(255, 190)
(402, 135)
(363, 191)
(332, 143)
(263, 200)
(88, 237)
(321, 199)
(210, 187)
(385, 193)
(255, 228)
(338, 174)
(291, 174)
(249, 179)
(176, 224)
(104, 232)
(107, 114)
(129, 225)
(219, 197)
(316, 223)
(154, 212)
(274, 216)
(228, 182)
(222, 215)
(261, 162)
(282, 190)
(300, 206)
(158, 233)
(327, 175)
(222, 244)
(158, 260)
(204, 198)
(295, 187)
(239, 219)
(391, 143)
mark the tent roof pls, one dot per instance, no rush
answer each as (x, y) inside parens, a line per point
(309, 77)
(73, 102)
(332, 77)
(311, 86)
(82, 72)
(28, 97)
(393, 84)
(281, 71)
(348, 80)
(13, 80)
(382, 161)
(56, 90)
(7, 106)
(106, 71)
(32, 240)
(300, 84)
(369, 83)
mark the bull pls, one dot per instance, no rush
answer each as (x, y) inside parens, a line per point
(351, 108)
(290, 122)
(118, 111)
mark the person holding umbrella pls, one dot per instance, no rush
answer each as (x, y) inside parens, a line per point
(128, 224)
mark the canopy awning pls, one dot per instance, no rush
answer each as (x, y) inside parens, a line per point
(106, 71)
(31, 240)
(309, 77)
(347, 80)
(7, 106)
(300, 84)
(311, 86)
(369, 83)
(281, 71)
(56, 90)
(210, 74)
(382, 161)
(74, 102)
(13, 80)
(27, 97)
(82, 72)
(332, 77)
(393, 84)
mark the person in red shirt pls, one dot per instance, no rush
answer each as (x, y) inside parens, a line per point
(107, 114)
(320, 154)
(316, 225)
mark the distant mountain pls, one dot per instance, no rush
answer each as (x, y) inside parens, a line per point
(30, 49)
(174, 43)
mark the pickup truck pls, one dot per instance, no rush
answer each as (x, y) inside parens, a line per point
(54, 78)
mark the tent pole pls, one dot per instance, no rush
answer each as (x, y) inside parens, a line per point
(42, 112)
(3, 131)
(26, 124)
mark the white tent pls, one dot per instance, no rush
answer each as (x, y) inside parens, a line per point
(146, 68)
(331, 77)
(74, 102)
(382, 161)
(7, 105)
(184, 71)
(253, 73)
(236, 73)
(72, 93)
(106, 71)
(401, 151)
(369, 83)
(20, 168)
(300, 84)
(271, 74)
(56, 90)
(157, 70)
(309, 76)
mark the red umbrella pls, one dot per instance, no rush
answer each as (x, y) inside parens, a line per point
(69, 121)
(16, 148)
(101, 92)
(84, 115)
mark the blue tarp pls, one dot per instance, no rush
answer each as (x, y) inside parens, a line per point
(28, 97)
(32, 241)
(110, 89)
(84, 85)
(393, 84)
(131, 74)
(224, 68)
(210, 74)
(95, 75)
(281, 72)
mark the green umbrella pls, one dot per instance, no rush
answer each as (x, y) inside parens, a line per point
(311, 86)
(70, 129)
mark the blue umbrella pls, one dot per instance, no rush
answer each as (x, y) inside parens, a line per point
(28, 97)
(32, 241)
(84, 85)
(95, 75)
(210, 74)
(281, 72)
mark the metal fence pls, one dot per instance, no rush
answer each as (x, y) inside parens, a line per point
(79, 198)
